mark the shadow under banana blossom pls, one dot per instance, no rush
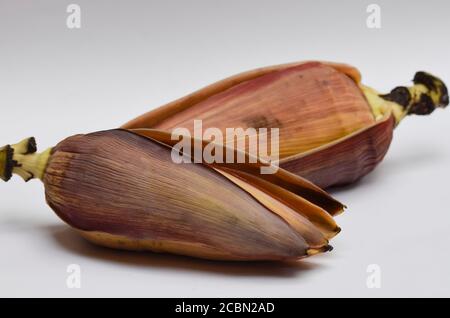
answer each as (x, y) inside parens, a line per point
(68, 239)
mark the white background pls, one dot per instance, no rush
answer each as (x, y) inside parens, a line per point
(131, 56)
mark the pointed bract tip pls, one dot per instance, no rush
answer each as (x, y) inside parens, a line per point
(323, 249)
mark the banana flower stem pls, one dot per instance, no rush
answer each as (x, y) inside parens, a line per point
(22, 159)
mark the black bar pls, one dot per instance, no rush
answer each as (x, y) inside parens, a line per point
(204, 307)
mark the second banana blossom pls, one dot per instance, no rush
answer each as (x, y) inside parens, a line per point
(333, 129)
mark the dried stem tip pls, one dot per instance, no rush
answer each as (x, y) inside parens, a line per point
(6, 162)
(23, 160)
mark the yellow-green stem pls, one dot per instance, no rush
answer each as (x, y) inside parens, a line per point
(427, 94)
(22, 159)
